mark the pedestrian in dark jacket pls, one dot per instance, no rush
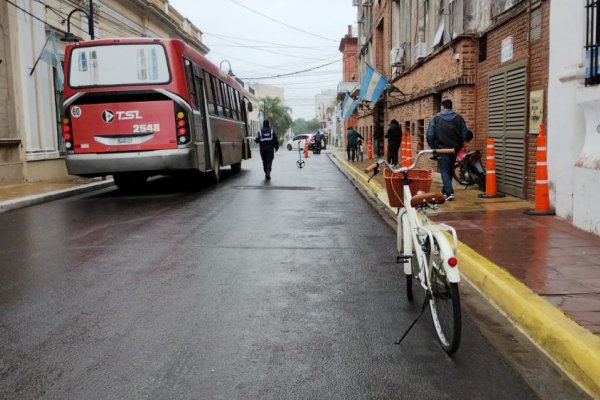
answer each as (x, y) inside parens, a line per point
(267, 139)
(352, 142)
(447, 130)
(394, 137)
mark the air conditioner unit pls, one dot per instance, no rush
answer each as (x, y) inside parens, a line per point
(420, 50)
(397, 56)
(354, 3)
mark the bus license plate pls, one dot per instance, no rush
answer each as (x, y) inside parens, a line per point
(125, 140)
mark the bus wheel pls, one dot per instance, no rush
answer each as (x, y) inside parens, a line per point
(237, 167)
(216, 167)
(129, 182)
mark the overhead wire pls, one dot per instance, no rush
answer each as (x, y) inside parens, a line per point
(297, 72)
(119, 27)
(282, 23)
(260, 41)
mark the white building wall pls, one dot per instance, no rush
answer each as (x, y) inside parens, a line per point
(35, 93)
(573, 121)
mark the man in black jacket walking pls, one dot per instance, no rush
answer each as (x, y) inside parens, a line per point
(447, 130)
(267, 139)
(394, 137)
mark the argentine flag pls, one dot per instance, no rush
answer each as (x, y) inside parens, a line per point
(372, 85)
(348, 106)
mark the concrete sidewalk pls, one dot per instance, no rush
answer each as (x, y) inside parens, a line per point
(31, 193)
(540, 270)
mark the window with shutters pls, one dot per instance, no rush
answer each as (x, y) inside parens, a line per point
(592, 42)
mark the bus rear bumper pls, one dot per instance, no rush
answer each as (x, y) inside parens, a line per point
(154, 162)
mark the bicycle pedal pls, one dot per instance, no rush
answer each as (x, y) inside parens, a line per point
(402, 259)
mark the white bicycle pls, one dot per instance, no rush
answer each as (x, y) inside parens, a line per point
(424, 250)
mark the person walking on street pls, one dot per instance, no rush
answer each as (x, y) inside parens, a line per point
(394, 137)
(267, 139)
(447, 129)
(352, 137)
(317, 146)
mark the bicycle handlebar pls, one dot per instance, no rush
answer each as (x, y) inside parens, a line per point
(443, 151)
(375, 167)
(371, 167)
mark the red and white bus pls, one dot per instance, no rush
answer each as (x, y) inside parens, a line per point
(140, 107)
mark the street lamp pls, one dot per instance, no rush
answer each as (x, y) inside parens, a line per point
(70, 37)
(230, 73)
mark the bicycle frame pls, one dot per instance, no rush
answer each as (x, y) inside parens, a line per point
(425, 244)
(414, 228)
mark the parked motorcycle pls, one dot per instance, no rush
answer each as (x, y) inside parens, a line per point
(317, 147)
(468, 169)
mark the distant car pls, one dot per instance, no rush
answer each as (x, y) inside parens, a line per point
(299, 140)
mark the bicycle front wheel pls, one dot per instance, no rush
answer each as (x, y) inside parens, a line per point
(444, 303)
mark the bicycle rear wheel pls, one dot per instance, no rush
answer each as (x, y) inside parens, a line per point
(444, 303)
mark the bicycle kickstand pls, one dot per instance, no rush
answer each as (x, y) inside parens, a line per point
(423, 307)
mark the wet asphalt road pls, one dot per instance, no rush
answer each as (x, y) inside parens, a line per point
(242, 290)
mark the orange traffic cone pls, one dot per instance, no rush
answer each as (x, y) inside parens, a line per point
(408, 159)
(491, 191)
(542, 200)
(402, 150)
(369, 147)
(306, 148)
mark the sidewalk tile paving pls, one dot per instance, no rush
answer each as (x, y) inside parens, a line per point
(547, 254)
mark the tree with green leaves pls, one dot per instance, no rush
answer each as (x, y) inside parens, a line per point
(301, 125)
(278, 114)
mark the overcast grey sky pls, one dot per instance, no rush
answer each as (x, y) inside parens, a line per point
(262, 46)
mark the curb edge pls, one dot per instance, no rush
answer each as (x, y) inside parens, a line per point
(27, 201)
(573, 348)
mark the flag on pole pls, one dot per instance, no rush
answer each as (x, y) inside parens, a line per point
(348, 106)
(51, 57)
(372, 85)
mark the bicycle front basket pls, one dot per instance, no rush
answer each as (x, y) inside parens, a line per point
(419, 180)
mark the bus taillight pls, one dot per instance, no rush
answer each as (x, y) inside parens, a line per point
(182, 128)
(67, 135)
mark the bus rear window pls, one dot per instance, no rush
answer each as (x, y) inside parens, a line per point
(125, 64)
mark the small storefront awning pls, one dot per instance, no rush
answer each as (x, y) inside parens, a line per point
(344, 87)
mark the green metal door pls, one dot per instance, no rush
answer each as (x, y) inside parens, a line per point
(507, 123)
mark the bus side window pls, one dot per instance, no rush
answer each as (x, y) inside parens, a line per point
(233, 102)
(198, 80)
(212, 109)
(218, 96)
(225, 112)
(228, 100)
(189, 74)
(236, 105)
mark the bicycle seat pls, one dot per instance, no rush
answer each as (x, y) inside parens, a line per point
(422, 198)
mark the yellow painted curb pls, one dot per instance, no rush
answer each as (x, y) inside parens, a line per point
(373, 186)
(573, 348)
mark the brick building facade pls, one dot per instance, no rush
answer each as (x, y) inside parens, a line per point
(527, 29)
(453, 51)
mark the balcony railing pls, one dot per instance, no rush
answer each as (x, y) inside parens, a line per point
(592, 42)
